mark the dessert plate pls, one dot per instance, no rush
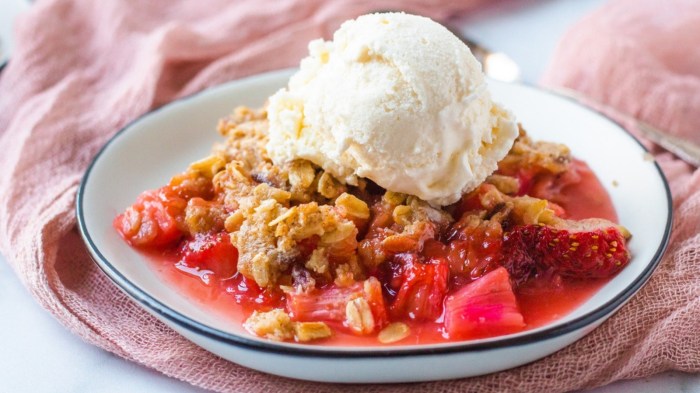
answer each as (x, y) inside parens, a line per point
(145, 153)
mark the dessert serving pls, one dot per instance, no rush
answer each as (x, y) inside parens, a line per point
(383, 197)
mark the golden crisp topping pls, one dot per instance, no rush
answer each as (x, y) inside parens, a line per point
(329, 187)
(308, 331)
(246, 133)
(526, 154)
(349, 273)
(203, 216)
(262, 255)
(278, 326)
(394, 332)
(274, 325)
(274, 208)
(352, 206)
(358, 316)
(318, 261)
(208, 167)
(302, 176)
(505, 184)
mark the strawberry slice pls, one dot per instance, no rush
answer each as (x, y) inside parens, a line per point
(520, 256)
(591, 248)
(484, 307)
(331, 303)
(420, 287)
(213, 252)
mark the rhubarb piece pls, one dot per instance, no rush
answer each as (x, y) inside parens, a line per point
(245, 291)
(153, 220)
(212, 252)
(475, 248)
(420, 287)
(349, 305)
(484, 307)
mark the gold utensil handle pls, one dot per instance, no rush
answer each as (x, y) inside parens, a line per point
(682, 148)
(501, 67)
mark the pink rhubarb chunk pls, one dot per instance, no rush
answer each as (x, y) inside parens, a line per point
(485, 307)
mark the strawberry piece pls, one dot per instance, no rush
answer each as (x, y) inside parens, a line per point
(329, 304)
(420, 287)
(519, 255)
(484, 307)
(213, 252)
(152, 221)
(582, 251)
(591, 248)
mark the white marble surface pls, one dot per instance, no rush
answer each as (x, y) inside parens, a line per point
(39, 355)
(9, 9)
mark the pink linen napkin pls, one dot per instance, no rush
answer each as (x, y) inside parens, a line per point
(84, 69)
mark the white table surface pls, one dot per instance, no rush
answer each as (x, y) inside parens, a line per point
(39, 355)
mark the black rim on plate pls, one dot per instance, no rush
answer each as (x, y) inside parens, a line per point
(199, 328)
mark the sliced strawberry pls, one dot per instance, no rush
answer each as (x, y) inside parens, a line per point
(212, 252)
(519, 255)
(152, 221)
(591, 248)
(420, 287)
(330, 304)
(484, 307)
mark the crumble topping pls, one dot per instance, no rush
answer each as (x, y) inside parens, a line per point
(278, 326)
(270, 210)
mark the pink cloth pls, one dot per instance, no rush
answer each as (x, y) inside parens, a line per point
(84, 69)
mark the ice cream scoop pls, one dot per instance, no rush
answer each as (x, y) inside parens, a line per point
(397, 99)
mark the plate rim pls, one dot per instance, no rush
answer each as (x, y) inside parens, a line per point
(546, 333)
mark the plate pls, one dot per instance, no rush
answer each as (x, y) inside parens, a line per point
(148, 151)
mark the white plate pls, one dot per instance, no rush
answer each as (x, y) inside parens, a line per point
(154, 147)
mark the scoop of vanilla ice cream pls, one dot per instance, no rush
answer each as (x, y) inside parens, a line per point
(397, 99)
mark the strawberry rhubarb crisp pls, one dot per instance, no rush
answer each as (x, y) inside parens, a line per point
(309, 257)
(384, 195)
